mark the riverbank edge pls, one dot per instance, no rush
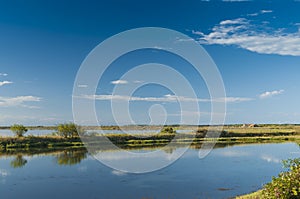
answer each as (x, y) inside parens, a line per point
(253, 195)
(122, 140)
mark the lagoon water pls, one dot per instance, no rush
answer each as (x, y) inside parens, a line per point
(224, 173)
(7, 132)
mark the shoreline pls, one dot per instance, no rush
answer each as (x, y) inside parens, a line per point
(128, 141)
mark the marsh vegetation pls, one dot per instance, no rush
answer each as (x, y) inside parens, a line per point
(71, 135)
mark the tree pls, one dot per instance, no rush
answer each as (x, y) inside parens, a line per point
(69, 130)
(18, 129)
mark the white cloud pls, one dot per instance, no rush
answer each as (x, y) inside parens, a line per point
(266, 11)
(161, 48)
(138, 81)
(5, 82)
(49, 119)
(119, 82)
(82, 86)
(31, 107)
(270, 93)
(165, 98)
(18, 101)
(193, 113)
(234, 99)
(28, 118)
(234, 21)
(260, 12)
(177, 39)
(253, 37)
(3, 74)
(253, 14)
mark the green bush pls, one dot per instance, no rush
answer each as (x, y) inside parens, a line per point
(287, 184)
(18, 129)
(168, 130)
(69, 130)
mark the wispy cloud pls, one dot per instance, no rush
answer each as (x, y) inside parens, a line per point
(119, 82)
(266, 11)
(260, 12)
(18, 101)
(254, 37)
(138, 81)
(253, 14)
(165, 98)
(49, 119)
(5, 82)
(161, 48)
(234, 21)
(82, 86)
(236, 99)
(268, 94)
(193, 113)
(3, 74)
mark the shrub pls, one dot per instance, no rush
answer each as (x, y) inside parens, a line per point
(168, 130)
(287, 184)
(18, 130)
(69, 130)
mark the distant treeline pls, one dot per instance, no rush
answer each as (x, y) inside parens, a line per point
(151, 127)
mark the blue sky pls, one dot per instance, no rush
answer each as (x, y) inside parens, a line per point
(255, 44)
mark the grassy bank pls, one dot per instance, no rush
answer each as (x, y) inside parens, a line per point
(128, 141)
(7, 143)
(196, 136)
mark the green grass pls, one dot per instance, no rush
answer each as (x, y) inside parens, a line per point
(38, 142)
(255, 195)
(123, 141)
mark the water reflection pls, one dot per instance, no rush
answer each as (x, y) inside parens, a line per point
(18, 162)
(222, 174)
(77, 155)
(71, 157)
(61, 157)
(3, 173)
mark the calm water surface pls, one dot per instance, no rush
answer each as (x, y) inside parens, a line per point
(7, 132)
(224, 173)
